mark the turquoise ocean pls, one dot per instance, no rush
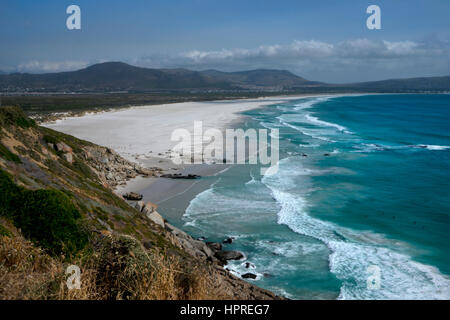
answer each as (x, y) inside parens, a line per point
(363, 182)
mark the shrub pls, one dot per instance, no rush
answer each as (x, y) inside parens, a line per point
(15, 116)
(4, 232)
(50, 139)
(47, 216)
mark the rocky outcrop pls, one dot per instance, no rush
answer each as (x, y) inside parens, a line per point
(193, 247)
(228, 240)
(180, 176)
(64, 149)
(133, 196)
(112, 169)
(224, 256)
(214, 246)
(149, 210)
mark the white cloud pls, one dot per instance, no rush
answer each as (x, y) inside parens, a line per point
(344, 61)
(312, 49)
(350, 60)
(50, 66)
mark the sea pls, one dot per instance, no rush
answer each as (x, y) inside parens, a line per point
(359, 207)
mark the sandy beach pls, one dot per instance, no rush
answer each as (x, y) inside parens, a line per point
(143, 134)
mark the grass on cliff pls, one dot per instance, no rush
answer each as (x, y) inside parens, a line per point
(8, 155)
(14, 116)
(47, 216)
(119, 269)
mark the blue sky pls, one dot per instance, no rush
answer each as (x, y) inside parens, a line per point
(321, 40)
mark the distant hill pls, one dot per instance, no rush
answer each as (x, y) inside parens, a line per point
(417, 84)
(107, 77)
(121, 77)
(118, 76)
(261, 78)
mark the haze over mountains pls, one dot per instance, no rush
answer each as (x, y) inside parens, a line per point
(121, 77)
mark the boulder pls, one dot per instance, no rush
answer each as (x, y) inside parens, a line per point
(177, 232)
(68, 157)
(224, 256)
(61, 146)
(201, 246)
(248, 276)
(149, 207)
(228, 240)
(156, 218)
(139, 206)
(133, 196)
(214, 246)
(180, 176)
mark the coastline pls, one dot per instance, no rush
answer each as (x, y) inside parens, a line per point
(173, 196)
(158, 122)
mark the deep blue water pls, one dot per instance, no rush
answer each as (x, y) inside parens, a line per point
(372, 190)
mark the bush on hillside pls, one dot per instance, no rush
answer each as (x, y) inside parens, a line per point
(47, 216)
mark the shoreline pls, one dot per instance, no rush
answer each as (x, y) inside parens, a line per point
(173, 196)
(144, 136)
(161, 120)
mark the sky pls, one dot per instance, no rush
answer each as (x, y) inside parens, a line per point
(322, 40)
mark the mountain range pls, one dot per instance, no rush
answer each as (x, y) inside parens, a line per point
(121, 77)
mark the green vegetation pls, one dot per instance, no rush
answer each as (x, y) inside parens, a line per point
(52, 136)
(42, 106)
(16, 117)
(4, 232)
(8, 155)
(50, 139)
(46, 216)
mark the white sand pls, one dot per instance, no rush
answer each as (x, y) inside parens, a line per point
(141, 132)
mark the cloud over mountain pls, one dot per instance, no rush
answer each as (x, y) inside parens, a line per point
(320, 60)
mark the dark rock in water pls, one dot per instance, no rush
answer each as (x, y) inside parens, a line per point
(326, 154)
(249, 265)
(228, 240)
(133, 196)
(249, 276)
(214, 246)
(224, 256)
(180, 176)
(304, 155)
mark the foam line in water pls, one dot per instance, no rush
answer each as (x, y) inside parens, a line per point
(401, 277)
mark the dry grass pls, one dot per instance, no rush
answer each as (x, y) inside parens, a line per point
(119, 268)
(26, 272)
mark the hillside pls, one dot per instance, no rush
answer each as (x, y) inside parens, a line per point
(118, 76)
(413, 84)
(122, 78)
(57, 208)
(261, 78)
